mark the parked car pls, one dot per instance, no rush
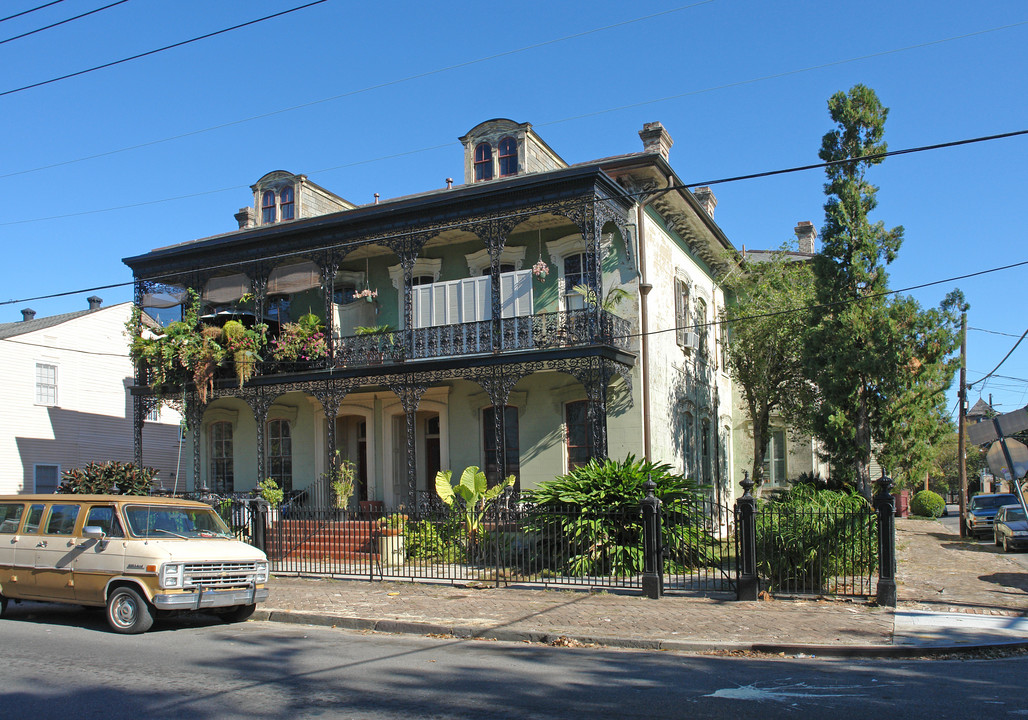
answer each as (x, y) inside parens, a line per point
(1011, 528)
(136, 556)
(981, 512)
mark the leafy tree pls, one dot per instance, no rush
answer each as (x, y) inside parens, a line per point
(880, 365)
(767, 319)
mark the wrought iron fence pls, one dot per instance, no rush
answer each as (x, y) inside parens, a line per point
(512, 544)
(816, 551)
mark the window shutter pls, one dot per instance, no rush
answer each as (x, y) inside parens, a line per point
(679, 313)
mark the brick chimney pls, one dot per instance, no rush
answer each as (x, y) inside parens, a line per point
(705, 196)
(806, 234)
(245, 218)
(94, 302)
(28, 314)
(656, 139)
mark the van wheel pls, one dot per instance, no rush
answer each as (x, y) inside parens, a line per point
(3, 606)
(128, 612)
(239, 613)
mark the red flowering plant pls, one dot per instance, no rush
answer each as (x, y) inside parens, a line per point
(303, 340)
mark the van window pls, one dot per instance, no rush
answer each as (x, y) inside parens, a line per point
(173, 521)
(10, 515)
(62, 519)
(32, 521)
(105, 519)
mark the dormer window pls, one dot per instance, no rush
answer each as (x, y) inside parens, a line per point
(268, 207)
(285, 202)
(508, 157)
(483, 162)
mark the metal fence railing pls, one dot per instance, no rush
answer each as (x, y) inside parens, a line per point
(817, 551)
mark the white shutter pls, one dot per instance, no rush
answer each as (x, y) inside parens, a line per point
(421, 296)
(523, 293)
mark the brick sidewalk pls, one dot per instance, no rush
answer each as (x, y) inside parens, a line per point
(937, 571)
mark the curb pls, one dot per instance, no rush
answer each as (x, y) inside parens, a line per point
(403, 627)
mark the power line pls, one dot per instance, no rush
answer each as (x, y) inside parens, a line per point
(994, 332)
(366, 89)
(62, 22)
(437, 71)
(989, 374)
(683, 186)
(162, 49)
(30, 10)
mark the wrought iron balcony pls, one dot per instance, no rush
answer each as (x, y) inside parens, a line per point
(543, 331)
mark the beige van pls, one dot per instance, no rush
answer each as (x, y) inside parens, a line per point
(133, 555)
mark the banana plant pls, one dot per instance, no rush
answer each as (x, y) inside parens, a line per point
(473, 489)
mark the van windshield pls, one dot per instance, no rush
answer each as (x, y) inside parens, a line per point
(166, 521)
(991, 502)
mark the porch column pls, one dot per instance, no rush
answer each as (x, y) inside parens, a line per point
(330, 397)
(328, 269)
(498, 384)
(409, 391)
(194, 421)
(595, 378)
(259, 286)
(260, 403)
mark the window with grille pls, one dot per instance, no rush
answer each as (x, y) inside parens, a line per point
(268, 207)
(483, 162)
(285, 202)
(508, 157)
(577, 437)
(280, 453)
(681, 311)
(46, 384)
(221, 457)
(774, 458)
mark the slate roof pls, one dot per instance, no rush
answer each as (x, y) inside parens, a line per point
(981, 409)
(14, 329)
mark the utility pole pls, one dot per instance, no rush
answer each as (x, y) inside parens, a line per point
(961, 439)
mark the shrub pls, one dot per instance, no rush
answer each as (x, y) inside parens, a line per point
(271, 492)
(927, 504)
(807, 537)
(589, 522)
(109, 478)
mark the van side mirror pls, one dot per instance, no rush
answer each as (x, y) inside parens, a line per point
(94, 531)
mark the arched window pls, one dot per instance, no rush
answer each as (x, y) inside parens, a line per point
(285, 202)
(280, 454)
(268, 207)
(221, 456)
(483, 162)
(508, 157)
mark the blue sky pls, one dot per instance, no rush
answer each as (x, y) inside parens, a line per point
(387, 87)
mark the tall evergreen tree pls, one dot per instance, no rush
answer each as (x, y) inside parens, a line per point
(880, 364)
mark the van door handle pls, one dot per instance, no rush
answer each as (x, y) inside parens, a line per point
(41, 543)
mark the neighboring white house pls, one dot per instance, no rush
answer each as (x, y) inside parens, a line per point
(65, 402)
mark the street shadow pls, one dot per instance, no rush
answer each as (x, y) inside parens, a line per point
(1018, 581)
(94, 618)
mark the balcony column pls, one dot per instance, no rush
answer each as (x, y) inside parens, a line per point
(259, 287)
(409, 392)
(328, 269)
(594, 272)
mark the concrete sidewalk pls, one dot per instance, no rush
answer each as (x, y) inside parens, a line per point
(953, 594)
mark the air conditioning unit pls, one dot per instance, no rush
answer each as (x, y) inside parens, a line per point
(691, 340)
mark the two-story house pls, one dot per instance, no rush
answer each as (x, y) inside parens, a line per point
(64, 394)
(464, 325)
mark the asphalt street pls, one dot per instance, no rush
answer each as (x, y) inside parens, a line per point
(952, 523)
(63, 663)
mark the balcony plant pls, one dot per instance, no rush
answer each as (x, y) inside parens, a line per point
(243, 343)
(303, 340)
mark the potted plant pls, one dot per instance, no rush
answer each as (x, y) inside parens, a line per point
(242, 344)
(391, 546)
(342, 484)
(272, 494)
(303, 340)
